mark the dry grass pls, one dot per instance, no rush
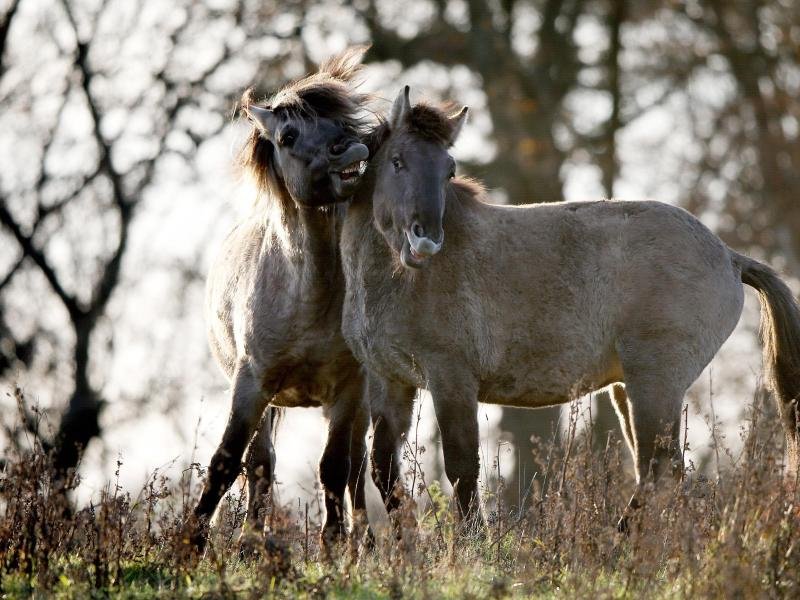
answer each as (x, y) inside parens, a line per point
(737, 537)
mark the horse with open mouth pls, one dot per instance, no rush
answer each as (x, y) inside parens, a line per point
(274, 295)
(533, 306)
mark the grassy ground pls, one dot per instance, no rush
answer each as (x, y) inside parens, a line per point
(738, 537)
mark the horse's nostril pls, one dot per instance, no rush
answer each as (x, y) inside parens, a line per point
(418, 230)
(338, 149)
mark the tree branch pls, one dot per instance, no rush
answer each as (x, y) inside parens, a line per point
(609, 161)
(5, 26)
(123, 204)
(12, 271)
(37, 256)
(441, 40)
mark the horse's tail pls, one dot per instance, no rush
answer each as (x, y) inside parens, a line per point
(780, 337)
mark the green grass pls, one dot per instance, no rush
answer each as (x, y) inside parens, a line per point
(369, 579)
(735, 538)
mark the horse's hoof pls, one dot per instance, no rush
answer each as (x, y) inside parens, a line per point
(623, 526)
(403, 520)
(250, 545)
(193, 537)
(331, 539)
(276, 555)
(369, 542)
(361, 539)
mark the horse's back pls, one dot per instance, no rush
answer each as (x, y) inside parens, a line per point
(666, 270)
(571, 282)
(682, 289)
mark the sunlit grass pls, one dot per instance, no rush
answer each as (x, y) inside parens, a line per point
(737, 537)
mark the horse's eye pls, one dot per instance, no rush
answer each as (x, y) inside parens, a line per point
(397, 164)
(287, 137)
(452, 173)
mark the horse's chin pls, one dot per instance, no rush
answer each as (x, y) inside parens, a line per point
(409, 258)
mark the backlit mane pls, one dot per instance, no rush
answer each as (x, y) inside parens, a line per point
(329, 93)
(431, 122)
(467, 187)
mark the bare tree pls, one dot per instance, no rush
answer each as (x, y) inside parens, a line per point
(133, 119)
(755, 135)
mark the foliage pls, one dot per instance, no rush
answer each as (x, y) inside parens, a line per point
(737, 537)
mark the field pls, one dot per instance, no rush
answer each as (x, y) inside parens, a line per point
(735, 537)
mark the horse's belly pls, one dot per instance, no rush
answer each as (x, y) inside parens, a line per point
(535, 399)
(546, 383)
(524, 391)
(317, 384)
(296, 397)
(304, 385)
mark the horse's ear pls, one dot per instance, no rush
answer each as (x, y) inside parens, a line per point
(457, 123)
(400, 109)
(263, 118)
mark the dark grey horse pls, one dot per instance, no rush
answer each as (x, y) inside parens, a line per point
(274, 294)
(535, 305)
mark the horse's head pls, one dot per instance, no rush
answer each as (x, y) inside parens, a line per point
(305, 141)
(412, 169)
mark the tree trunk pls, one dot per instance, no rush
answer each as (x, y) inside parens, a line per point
(80, 422)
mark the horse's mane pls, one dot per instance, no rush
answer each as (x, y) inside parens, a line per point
(468, 188)
(329, 93)
(427, 121)
(374, 138)
(432, 122)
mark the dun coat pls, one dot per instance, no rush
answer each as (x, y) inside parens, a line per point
(533, 306)
(274, 295)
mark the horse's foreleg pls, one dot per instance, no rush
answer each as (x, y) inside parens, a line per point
(358, 469)
(391, 407)
(247, 406)
(259, 467)
(334, 467)
(456, 405)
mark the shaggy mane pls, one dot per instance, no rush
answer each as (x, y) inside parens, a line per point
(330, 93)
(469, 187)
(432, 122)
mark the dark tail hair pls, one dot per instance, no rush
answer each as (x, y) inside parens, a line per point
(780, 337)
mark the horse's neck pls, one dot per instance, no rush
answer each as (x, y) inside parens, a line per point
(309, 239)
(319, 238)
(364, 249)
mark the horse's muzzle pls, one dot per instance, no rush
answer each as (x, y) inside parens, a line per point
(423, 247)
(354, 154)
(414, 254)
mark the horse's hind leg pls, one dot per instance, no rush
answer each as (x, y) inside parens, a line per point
(656, 418)
(247, 406)
(654, 406)
(259, 467)
(622, 405)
